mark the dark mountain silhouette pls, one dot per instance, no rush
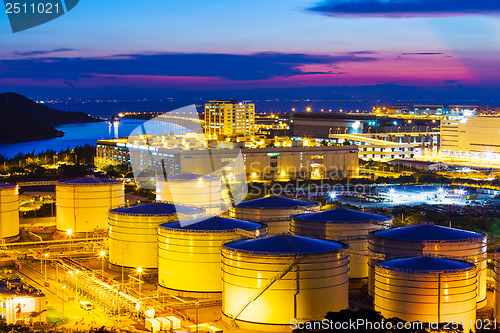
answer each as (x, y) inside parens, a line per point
(24, 120)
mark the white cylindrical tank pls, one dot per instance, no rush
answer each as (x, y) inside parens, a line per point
(272, 280)
(133, 238)
(430, 239)
(496, 275)
(82, 205)
(427, 289)
(189, 261)
(349, 226)
(191, 189)
(273, 211)
(9, 211)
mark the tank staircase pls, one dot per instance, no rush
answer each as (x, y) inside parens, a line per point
(276, 278)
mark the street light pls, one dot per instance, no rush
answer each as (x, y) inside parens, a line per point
(102, 254)
(197, 304)
(63, 287)
(139, 271)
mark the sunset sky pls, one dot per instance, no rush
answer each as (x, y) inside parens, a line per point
(220, 44)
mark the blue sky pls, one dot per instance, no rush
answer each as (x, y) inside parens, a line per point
(279, 43)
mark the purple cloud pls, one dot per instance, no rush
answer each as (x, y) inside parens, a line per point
(407, 8)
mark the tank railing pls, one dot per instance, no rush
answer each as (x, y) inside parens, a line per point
(416, 271)
(247, 233)
(375, 222)
(469, 259)
(277, 277)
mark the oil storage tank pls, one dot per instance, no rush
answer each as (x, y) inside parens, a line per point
(82, 205)
(346, 225)
(271, 280)
(132, 232)
(192, 189)
(9, 212)
(496, 275)
(274, 211)
(430, 239)
(427, 289)
(189, 259)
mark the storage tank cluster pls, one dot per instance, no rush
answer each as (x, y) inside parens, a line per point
(192, 189)
(349, 226)
(189, 253)
(132, 232)
(427, 289)
(9, 212)
(269, 281)
(273, 211)
(430, 239)
(82, 205)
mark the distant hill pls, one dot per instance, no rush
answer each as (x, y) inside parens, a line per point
(24, 120)
(42, 112)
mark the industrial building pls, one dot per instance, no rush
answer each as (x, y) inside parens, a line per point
(21, 303)
(133, 239)
(269, 281)
(191, 189)
(345, 225)
(225, 118)
(472, 137)
(430, 239)
(9, 212)
(427, 289)
(82, 204)
(189, 259)
(273, 211)
(259, 163)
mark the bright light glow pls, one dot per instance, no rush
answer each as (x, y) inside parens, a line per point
(440, 190)
(356, 125)
(139, 270)
(392, 190)
(200, 180)
(254, 174)
(46, 254)
(102, 253)
(69, 232)
(333, 195)
(283, 173)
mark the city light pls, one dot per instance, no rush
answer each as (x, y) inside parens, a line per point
(139, 270)
(69, 232)
(102, 253)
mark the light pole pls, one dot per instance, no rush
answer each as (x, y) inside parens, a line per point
(102, 254)
(139, 271)
(63, 287)
(197, 303)
(45, 271)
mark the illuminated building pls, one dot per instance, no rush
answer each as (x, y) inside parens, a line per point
(302, 159)
(271, 280)
(21, 303)
(430, 239)
(189, 259)
(82, 204)
(471, 137)
(229, 117)
(273, 211)
(132, 232)
(344, 225)
(427, 289)
(9, 212)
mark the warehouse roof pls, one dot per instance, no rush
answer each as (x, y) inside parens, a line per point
(284, 244)
(428, 232)
(342, 215)
(90, 180)
(275, 202)
(426, 264)
(155, 208)
(215, 223)
(189, 176)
